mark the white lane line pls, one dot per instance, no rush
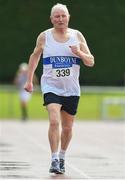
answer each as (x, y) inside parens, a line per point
(80, 172)
(44, 148)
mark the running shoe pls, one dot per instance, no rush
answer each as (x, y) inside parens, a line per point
(55, 167)
(62, 165)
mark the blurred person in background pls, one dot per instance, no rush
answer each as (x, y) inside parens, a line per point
(24, 96)
(62, 48)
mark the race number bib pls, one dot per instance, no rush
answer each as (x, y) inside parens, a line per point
(62, 66)
(62, 72)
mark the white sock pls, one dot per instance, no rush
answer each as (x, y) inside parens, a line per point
(54, 156)
(62, 154)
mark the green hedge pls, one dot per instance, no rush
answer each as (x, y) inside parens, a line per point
(101, 22)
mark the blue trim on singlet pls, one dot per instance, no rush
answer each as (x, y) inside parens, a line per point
(58, 61)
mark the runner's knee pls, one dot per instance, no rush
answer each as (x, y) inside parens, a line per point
(67, 129)
(54, 123)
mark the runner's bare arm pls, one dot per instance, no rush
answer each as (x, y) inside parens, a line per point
(83, 51)
(33, 61)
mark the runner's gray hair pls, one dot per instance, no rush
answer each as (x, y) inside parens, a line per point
(59, 6)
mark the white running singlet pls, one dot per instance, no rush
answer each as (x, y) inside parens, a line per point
(60, 66)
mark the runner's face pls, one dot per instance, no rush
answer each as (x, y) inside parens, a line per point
(60, 18)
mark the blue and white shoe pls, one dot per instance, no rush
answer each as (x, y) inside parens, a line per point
(55, 168)
(62, 165)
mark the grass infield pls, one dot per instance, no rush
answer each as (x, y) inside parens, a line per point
(89, 106)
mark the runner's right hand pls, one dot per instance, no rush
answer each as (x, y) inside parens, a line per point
(28, 87)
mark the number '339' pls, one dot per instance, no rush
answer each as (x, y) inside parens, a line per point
(62, 72)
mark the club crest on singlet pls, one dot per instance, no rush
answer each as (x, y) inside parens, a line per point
(61, 65)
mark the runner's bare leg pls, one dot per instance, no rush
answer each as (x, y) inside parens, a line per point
(53, 132)
(66, 134)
